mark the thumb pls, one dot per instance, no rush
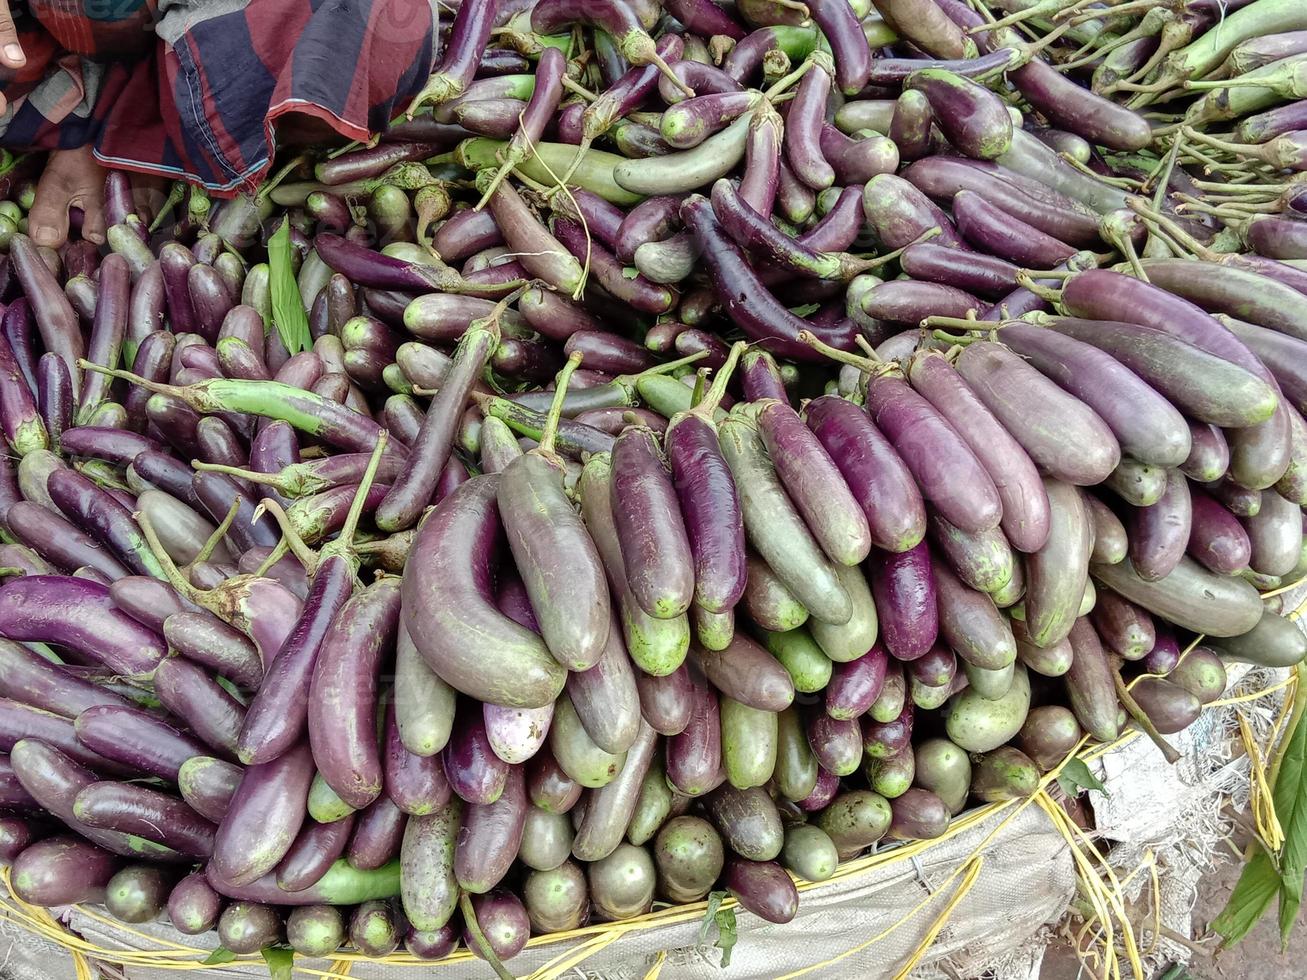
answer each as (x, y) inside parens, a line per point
(11, 51)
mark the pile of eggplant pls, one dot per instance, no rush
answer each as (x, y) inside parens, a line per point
(696, 444)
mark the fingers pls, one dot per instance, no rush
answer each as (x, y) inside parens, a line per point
(71, 178)
(11, 51)
(47, 222)
(93, 224)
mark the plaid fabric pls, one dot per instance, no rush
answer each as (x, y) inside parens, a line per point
(194, 87)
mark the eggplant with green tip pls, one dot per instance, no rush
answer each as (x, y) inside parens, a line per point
(748, 821)
(1190, 596)
(622, 884)
(576, 753)
(1201, 673)
(945, 769)
(546, 839)
(1168, 706)
(855, 820)
(809, 852)
(970, 622)
(1004, 774)
(1050, 732)
(689, 856)
(1057, 573)
(1090, 686)
(918, 814)
(809, 667)
(748, 673)
(849, 640)
(1275, 641)
(556, 899)
(978, 724)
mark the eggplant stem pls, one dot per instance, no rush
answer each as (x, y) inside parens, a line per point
(1043, 292)
(1127, 247)
(305, 555)
(880, 260)
(1172, 229)
(700, 380)
(344, 542)
(656, 60)
(273, 480)
(271, 183)
(788, 81)
(951, 338)
(158, 387)
(960, 322)
(170, 570)
(579, 89)
(1141, 718)
(279, 551)
(865, 345)
(834, 353)
(1162, 174)
(665, 368)
(479, 937)
(1125, 183)
(173, 199)
(712, 398)
(219, 532)
(549, 434)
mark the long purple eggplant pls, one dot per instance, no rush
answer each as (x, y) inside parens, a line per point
(1061, 434)
(60, 332)
(873, 470)
(342, 712)
(1025, 518)
(450, 612)
(270, 806)
(134, 738)
(80, 614)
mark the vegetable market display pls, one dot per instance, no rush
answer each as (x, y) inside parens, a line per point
(698, 443)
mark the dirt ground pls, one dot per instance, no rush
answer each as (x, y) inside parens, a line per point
(1257, 957)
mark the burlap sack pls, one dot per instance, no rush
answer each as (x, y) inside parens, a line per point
(1024, 879)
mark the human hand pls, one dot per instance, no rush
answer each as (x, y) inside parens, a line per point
(11, 52)
(72, 178)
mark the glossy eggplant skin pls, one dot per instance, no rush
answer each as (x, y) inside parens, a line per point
(655, 543)
(873, 470)
(776, 529)
(450, 613)
(711, 508)
(1025, 518)
(342, 710)
(557, 560)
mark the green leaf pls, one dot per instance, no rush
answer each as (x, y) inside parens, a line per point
(219, 955)
(714, 900)
(629, 272)
(1251, 897)
(1262, 880)
(1290, 899)
(288, 314)
(726, 934)
(1075, 776)
(724, 920)
(1290, 797)
(279, 960)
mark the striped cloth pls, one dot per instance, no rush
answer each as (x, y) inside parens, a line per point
(194, 88)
